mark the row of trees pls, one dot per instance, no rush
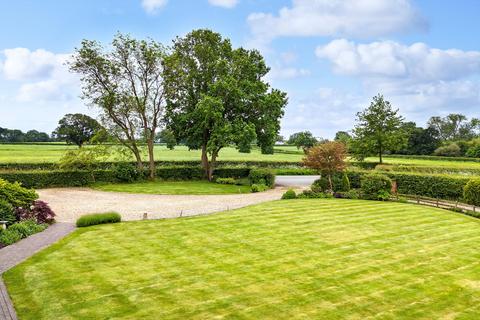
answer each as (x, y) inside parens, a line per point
(15, 135)
(206, 93)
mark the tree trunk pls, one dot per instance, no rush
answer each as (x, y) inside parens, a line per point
(330, 182)
(151, 159)
(211, 166)
(380, 153)
(138, 158)
(205, 162)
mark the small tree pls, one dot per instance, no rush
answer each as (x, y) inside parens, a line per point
(304, 140)
(77, 128)
(378, 128)
(166, 136)
(328, 158)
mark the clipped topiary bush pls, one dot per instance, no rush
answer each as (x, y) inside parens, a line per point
(471, 192)
(376, 187)
(7, 212)
(262, 176)
(98, 218)
(289, 194)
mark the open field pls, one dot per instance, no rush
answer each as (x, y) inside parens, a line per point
(173, 187)
(295, 259)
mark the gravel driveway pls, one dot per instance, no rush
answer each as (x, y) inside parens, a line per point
(71, 203)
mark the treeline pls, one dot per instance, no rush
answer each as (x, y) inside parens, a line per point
(17, 136)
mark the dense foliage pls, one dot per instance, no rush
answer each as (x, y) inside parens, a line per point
(376, 186)
(98, 218)
(471, 192)
(304, 140)
(262, 177)
(16, 136)
(77, 128)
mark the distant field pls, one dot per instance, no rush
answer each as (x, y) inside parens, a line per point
(19, 153)
(37, 153)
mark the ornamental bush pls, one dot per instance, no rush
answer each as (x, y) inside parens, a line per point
(258, 188)
(16, 195)
(340, 183)
(9, 236)
(289, 194)
(126, 172)
(39, 211)
(376, 186)
(27, 228)
(262, 176)
(471, 192)
(6, 212)
(98, 218)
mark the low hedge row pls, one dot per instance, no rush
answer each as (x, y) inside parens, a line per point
(429, 169)
(58, 178)
(425, 157)
(428, 185)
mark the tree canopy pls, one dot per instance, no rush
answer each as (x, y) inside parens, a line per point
(216, 96)
(304, 140)
(378, 128)
(77, 128)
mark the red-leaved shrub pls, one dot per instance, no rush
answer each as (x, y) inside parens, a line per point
(39, 211)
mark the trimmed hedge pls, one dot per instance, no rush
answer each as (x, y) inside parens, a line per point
(58, 178)
(98, 218)
(433, 186)
(262, 176)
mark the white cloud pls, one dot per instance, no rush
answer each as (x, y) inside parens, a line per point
(224, 3)
(388, 59)
(153, 6)
(282, 73)
(40, 74)
(348, 18)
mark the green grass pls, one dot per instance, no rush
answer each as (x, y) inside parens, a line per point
(27, 153)
(174, 187)
(292, 259)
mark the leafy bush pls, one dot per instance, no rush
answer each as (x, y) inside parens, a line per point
(98, 218)
(27, 228)
(126, 172)
(289, 194)
(6, 212)
(471, 192)
(39, 211)
(376, 186)
(340, 183)
(9, 236)
(451, 150)
(16, 195)
(262, 176)
(310, 194)
(226, 181)
(351, 194)
(258, 188)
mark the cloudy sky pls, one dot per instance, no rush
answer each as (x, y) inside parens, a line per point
(330, 56)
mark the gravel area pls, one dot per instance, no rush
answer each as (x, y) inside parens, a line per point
(71, 203)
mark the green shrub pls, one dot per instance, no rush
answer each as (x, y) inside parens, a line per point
(376, 186)
(7, 212)
(258, 188)
(126, 172)
(98, 218)
(28, 227)
(340, 183)
(471, 192)
(310, 194)
(320, 185)
(451, 150)
(9, 236)
(295, 172)
(226, 181)
(262, 176)
(16, 195)
(351, 194)
(289, 194)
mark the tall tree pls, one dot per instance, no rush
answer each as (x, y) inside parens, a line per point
(455, 127)
(328, 158)
(126, 85)
(304, 140)
(378, 128)
(77, 128)
(166, 136)
(216, 96)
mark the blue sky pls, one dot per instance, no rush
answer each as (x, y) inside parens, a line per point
(330, 57)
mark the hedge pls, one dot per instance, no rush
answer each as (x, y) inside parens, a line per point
(426, 157)
(433, 186)
(58, 178)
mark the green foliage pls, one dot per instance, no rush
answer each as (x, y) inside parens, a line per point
(98, 218)
(84, 158)
(126, 172)
(16, 195)
(210, 115)
(376, 186)
(304, 140)
(262, 176)
(289, 194)
(166, 136)
(320, 185)
(28, 227)
(450, 150)
(8, 237)
(421, 141)
(226, 181)
(6, 212)
(340, 183)
(471, 191)
(310, 194)
(378, 129)
(77, 128)
(258, 187)
(351, 194)
(454, 127)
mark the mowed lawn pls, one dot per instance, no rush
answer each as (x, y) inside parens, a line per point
(174, 187)
(293, 259)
